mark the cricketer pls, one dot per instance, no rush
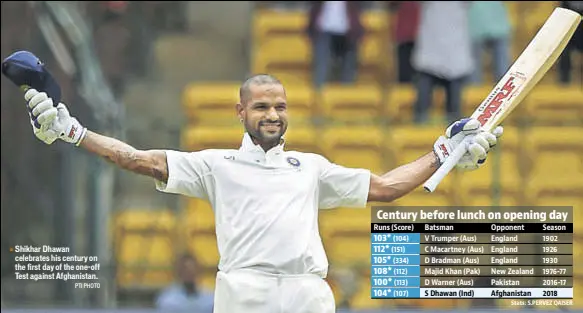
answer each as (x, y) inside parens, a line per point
(265, 198)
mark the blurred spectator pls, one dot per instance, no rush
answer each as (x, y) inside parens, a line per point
(112, 43)
(442, 55)
(576, 43)
(335, 30)
(186, 294)
(405, 33)
(490, 28)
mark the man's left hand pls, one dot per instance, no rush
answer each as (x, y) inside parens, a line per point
(480, 144)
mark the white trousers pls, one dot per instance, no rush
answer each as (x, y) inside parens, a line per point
(249, 291)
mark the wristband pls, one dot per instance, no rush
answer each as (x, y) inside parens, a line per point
(83, 134)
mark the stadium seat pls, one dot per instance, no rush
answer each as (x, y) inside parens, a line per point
(199, 215)
(578, 254)
(555, 105)
(291, 75)
(267, 24)
(375, 22)
(351, 103)
(203, 244)
(555, 157)
(215, 104)
(491, 197)
(346, 219)
(556, 177)
(287, 57)
(501, 171)
(577, 293)
(577, 204)
(346, 248)
(362, 299)
(420, 197)
(514, 16)
(408, 143)
(375, 56)
(513, 11)
(211, 103)
(144, 245)
(302, 139)
(472, 96)
(357, 147)
(373, 60)
(555, 198)
(300, 103)
(196, 138)
(400, 103)
(576, 70)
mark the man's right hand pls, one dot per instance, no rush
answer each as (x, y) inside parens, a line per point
(50, 123)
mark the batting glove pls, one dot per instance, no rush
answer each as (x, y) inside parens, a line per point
(50, 123)
(480, 143)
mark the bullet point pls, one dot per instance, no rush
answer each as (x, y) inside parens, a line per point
(11, 249)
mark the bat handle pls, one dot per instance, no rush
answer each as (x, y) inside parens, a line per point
(447, 166)
(24, 89)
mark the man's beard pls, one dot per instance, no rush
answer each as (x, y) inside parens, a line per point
(264, 137)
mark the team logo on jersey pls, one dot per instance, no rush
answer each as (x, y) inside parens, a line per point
(293, 161)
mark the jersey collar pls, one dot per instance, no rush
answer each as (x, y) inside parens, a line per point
(247, 145)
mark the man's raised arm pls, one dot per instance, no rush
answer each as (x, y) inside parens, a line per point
(145, 162)
(50, 123)
(404, 179)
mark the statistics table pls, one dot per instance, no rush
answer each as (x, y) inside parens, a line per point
(473, 252)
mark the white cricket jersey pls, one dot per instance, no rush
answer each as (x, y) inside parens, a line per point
(266, 204)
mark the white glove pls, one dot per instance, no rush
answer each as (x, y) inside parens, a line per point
(50, 123)
(480, 143)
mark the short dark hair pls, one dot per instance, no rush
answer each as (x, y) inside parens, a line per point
(257, 79)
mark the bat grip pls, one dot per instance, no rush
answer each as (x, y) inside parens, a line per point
(447, 166)
(25, 88)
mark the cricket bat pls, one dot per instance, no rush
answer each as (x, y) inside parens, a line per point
(534, 62)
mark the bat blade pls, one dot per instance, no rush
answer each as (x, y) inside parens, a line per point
(528, 69)
(26, 70)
